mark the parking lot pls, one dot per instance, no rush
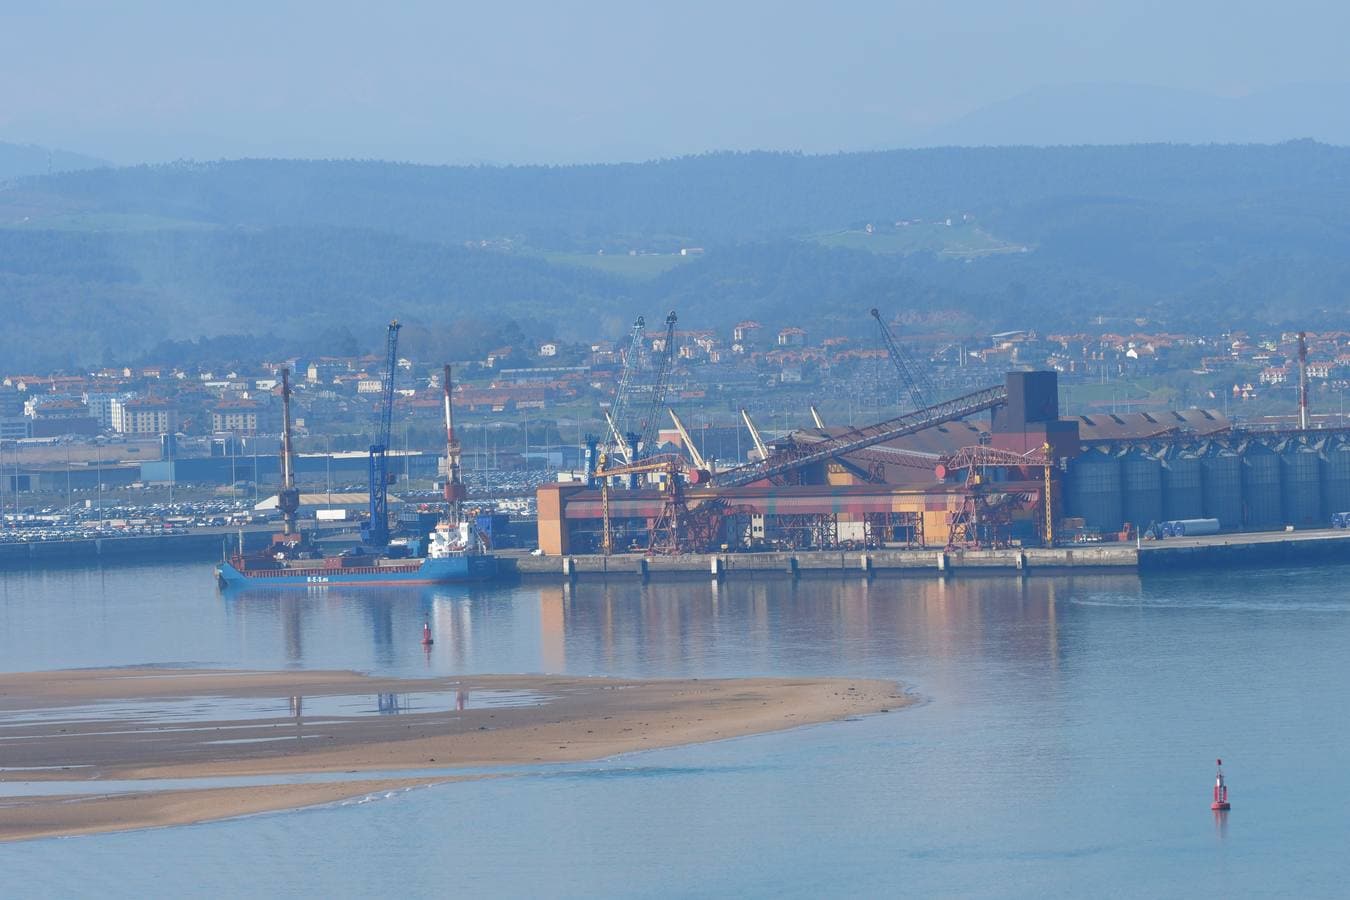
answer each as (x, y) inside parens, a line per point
(80, 522)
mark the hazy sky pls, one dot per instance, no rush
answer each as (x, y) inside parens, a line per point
(527, 81)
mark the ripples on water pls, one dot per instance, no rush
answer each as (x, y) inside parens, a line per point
(1064, 746)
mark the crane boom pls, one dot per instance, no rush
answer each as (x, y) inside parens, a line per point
(911, 374)
(760, 447)
(694, 455)
(620, 448)
(861, 438)
(377, 529)
(631, 364)
(816, 419)
(647, 443)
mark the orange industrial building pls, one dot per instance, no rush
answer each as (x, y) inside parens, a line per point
(931, 478)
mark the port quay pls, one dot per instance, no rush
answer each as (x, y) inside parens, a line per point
(1240, 549)
(1272, 548)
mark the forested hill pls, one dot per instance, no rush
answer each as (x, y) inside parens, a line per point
(100, 264)
(718, 197)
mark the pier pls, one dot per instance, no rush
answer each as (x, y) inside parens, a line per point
(1261, 548)
(1211, 551)
(1215, 551)
(834, 563)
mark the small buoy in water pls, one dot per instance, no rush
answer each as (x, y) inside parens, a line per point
(426, 635)
(1220, 789)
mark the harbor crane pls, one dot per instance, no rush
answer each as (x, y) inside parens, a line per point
(795, 457)
(647, 443)
(760, 447)
(676, 528)
(694, 455)
(912, 375)
(614, 417)
(376, 531)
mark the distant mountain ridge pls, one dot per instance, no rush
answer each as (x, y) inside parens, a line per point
(24, 160)
(718, 197)
(101, 264)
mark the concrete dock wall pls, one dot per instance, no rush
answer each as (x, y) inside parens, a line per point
(1217, 551)
(1326, 545)
(809, 563)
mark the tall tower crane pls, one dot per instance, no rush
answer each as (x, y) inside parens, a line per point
(377, 529)
(647, 443)
(632, 362)
(912, 375)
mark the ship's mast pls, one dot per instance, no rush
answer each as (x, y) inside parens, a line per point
(288, 499)
(454, 487)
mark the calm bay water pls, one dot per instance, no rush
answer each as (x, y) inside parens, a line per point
(1063, 746)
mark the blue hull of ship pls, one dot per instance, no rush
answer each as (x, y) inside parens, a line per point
(430, 571)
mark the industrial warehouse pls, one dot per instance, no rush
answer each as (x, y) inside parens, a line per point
(996, 468)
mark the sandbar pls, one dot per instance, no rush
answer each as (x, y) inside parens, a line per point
(152, 723)
(64, 816)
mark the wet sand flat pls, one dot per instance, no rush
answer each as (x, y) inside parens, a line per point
(62, 816)
(176, 723)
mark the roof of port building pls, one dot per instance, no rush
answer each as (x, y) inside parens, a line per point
(1138, 425)
(952, 436)
(347, 499)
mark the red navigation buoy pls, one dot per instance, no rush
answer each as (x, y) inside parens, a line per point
(426, 635)
(1220, 789)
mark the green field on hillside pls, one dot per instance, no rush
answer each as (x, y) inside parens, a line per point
(646, 265)
(959, 239)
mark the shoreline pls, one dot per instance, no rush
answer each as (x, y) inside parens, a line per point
(50, 816)
(134, 724)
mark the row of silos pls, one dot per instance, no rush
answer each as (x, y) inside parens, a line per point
(1251, 483)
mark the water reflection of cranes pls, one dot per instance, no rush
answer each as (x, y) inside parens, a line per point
(859, 626)
(856, 625)
(393, 619)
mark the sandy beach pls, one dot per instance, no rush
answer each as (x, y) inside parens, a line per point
(144, 724)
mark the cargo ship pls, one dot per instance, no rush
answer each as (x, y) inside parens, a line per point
(453, 554)
(453, 551)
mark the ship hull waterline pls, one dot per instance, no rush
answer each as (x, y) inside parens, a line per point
(453, 570)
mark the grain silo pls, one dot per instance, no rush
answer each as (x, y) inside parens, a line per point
(1141, 488)
(1262, 497)
(1182, 491)
(1336, 475)
(1221, 478)
(1301, 479)
(1095, 491)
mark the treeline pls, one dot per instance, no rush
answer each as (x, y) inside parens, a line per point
(72, 297)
